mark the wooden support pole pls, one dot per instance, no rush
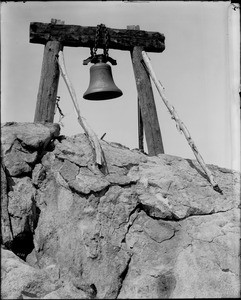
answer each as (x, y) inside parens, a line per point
(140, 121)
(180, 125)
(48, 85)
(140, 128)
(147, 104)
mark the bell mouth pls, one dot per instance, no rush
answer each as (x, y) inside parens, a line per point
(102, 95)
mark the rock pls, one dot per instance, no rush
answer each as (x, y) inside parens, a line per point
(119, 179)
(119, 156)
(21, 281)
(39, 174)
(18, 278)
(82, 180)
(22, 142)
(76, 150)
(152, 228)
(6, 232)
(20, 205)
(68, 291)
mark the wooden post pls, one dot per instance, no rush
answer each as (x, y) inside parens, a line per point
(49, 80)
(147, 104)
(140, 127)
(140, 121)
(48, 85)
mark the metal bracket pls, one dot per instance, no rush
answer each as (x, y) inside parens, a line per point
(99, 57)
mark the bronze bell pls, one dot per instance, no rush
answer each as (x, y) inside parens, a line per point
(101, 86)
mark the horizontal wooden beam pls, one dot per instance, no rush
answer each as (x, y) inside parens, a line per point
(80, 36)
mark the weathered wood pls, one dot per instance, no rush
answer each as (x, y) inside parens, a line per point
(140, 121)
(133, 27)
(140, 128)
(48, 85)
(57, 21)
(80, 36)
(180, 125)
(147, 104)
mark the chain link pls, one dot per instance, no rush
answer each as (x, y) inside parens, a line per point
(106, 42)
(97, 36)
(97, 39)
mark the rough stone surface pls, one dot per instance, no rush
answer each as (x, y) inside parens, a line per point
(21, 281)
(22, 142)
(153, 227)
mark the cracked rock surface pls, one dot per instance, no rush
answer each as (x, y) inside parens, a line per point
(152, 227)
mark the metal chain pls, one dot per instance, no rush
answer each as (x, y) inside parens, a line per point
(97, 38)
(106, 42)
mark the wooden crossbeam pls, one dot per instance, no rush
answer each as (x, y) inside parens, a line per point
(80, 36)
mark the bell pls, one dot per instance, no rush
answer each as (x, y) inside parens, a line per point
(101, 86)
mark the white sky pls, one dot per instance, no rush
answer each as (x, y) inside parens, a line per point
(194, 69)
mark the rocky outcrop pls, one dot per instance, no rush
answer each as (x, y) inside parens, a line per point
(153, 227)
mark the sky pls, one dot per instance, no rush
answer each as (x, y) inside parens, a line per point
(199, 69)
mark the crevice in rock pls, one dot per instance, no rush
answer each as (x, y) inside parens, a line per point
(124, 185)
(26, 174)
(147, 210)
(175, 218)
(89, 289)
(167, 239)
(127, 166)
(212, 212)
(225, 270)
(28, 295)
(10, 181)
(22, 244)
(123, 275)
(29, 149)
(49, 147)
(86, 196)
(36, 213)
(136, 209)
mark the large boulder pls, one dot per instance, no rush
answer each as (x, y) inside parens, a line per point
(21, 281)
(153, 227)
(22, 146)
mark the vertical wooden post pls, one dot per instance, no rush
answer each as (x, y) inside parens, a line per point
(140, 121)
(140, 127)
(49, 80)
(48, 85)
(147, 104)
